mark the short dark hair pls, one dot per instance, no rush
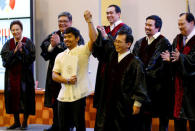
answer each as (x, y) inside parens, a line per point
(73, 30)
(81, 40)
(117, 8)
(189, 17)
(157, 19)
(67, 14)
(129, 36)
(16, 22)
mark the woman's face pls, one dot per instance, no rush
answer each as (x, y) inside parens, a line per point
(16, 32)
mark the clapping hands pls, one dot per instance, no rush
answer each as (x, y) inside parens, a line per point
(173, 56)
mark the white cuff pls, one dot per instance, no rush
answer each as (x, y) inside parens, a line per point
(50, 48)
(137, 103)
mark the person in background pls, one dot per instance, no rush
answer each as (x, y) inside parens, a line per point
(51, 47)
(148, 49)
(18, 55)
(113, 13)
(182, 61)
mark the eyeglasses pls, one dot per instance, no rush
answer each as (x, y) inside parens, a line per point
(63, 21)
(119, 42)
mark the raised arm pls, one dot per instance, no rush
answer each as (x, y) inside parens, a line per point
(91, 28)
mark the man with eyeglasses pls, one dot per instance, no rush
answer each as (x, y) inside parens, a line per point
(124, 90)
(51, 47)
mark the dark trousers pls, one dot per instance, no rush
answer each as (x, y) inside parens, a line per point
(181, 125)
(55, 124)
(131, 123)
(17, 119)
(72, 114)
(147, 123)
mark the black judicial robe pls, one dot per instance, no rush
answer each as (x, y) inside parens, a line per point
(19, 82)
(158, 75)
(102, 66)
(124, 83)
(184, 69)
(52, 88)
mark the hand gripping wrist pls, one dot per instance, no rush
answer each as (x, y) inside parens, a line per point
(68, 81)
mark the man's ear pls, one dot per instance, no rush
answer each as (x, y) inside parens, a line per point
(192, 23)
(119, 14)
(78, 38)
(129, 44)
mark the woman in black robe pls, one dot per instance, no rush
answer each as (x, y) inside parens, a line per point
(18, 55)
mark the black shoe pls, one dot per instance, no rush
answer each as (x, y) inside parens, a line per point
(24, 126)
(51, 129)
(14, 126)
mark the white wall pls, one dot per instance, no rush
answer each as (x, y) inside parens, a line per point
(46, 12)
(134, 13)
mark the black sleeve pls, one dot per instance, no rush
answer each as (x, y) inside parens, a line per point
(28, 53)
(155, 69)
(136, 48)
(186, 63)
(102, 48)
(139, 84)
(8, 56)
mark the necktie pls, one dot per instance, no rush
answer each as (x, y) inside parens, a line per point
(184, 40)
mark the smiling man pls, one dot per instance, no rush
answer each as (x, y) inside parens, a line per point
(51, 47)
(148, 49)
(182, 59)
(113, 13)
(73, 77)
(123, 90)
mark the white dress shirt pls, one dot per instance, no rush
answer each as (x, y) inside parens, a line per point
(190, 35)
(82, 88)
(115, 24)
(151, 39)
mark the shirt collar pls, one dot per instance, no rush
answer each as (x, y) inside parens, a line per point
(155, 36)
(190, 35)
(115, 24)
(68, 51)
(19, 40)
(121, 56)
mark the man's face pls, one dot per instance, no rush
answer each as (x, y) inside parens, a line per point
(70, 40)
(112, 16)
(185, 27)
(64, 23)
(120, 44)
(16, 31)
(150, 28)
